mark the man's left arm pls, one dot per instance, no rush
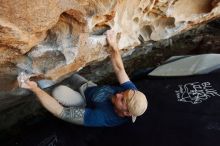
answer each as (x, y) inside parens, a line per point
(71, 114)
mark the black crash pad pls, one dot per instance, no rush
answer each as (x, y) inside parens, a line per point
(182, 111)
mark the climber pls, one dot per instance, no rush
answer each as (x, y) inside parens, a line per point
(96, 106)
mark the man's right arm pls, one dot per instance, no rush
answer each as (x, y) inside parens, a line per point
(116, 58)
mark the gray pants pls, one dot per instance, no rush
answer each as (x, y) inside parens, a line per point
(73, 101)
(69, 97)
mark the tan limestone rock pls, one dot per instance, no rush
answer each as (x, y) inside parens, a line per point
(56, 38)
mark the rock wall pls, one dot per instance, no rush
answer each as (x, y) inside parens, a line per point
(55, 38)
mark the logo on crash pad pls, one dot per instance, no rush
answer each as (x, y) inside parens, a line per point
(195, 92)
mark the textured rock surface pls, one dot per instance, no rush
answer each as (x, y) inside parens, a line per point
(201, 40)
(56, 38)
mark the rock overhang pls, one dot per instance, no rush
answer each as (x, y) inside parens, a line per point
(56, 38)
